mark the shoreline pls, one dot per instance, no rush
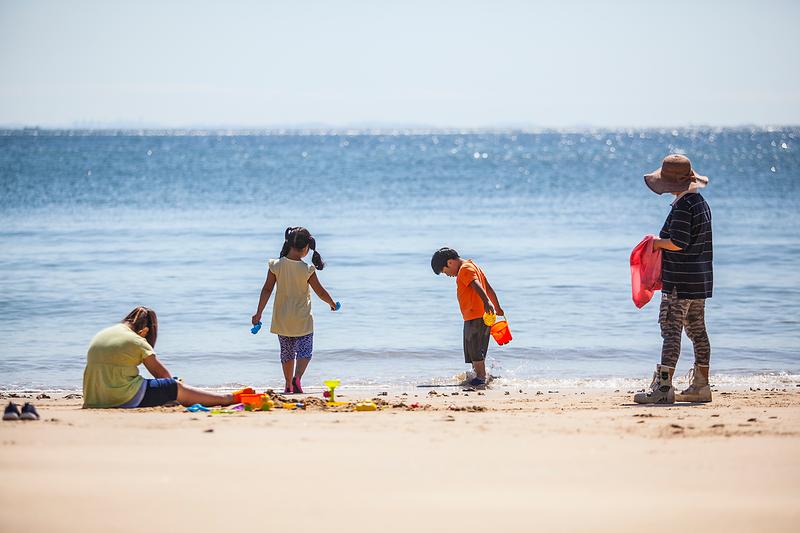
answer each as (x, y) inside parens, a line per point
(555, 461)
(721, 382)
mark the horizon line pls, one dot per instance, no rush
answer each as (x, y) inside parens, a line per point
(378, 129)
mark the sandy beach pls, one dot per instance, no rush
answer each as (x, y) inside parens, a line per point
(519, 460)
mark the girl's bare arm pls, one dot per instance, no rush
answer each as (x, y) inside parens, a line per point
(266, 292)
(320, 291)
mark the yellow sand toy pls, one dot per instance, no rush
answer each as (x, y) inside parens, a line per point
(332, 384)
(489, 319)
(366, 406)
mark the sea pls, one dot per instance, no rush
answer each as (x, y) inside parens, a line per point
(94, 223)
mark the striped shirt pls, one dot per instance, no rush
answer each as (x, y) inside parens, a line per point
(690, 269)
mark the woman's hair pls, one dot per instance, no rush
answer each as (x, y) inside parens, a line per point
(143, 317)
(298, 238)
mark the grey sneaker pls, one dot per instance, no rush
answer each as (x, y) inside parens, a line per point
(11, 412)
(661, 389)
(698, 390)
(29, 412)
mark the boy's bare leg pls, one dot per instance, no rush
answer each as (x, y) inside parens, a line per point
(480, 369)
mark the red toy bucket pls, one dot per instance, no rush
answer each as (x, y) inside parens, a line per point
(500, 332)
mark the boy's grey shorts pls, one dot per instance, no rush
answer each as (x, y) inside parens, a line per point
(476, 340)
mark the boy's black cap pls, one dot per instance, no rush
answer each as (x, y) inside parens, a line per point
(440, 258)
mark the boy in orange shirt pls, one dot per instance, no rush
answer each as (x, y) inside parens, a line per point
(475, 297)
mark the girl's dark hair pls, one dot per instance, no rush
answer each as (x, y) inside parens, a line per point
(143, 317)
(298, 238)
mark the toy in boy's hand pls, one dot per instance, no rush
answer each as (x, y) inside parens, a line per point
(255, 328)
(489, 319)
(337, 307)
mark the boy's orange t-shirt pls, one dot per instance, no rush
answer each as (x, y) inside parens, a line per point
(468, 300)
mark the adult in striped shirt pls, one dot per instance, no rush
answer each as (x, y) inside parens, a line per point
(687, 280)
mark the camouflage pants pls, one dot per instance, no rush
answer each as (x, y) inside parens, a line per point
(676, 314)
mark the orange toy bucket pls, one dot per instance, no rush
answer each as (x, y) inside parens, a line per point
(500, 332)
(256, 401)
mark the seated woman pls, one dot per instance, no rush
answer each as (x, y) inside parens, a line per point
(111, 377)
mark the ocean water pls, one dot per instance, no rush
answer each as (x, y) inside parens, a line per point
(95, 223)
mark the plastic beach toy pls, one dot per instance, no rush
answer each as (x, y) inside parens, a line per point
(197, 407)
(366, 406)
(252, 402)
(500, 332)
(238, 394)
(255, 328)
(331, 384)
(338, 306)
(489, 319)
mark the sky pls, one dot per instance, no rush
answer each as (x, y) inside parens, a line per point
(445, 64)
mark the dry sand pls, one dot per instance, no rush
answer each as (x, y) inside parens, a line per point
(505, 460)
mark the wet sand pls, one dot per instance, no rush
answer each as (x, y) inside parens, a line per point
(507, 459)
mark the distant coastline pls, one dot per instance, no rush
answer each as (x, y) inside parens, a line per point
(320, 129)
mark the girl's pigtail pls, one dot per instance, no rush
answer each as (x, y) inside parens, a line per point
(316, 259)
(285, 249)
(287, 243)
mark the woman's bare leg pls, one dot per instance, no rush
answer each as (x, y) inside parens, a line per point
(190, 395)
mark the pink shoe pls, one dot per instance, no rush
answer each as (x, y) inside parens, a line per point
(297, 389)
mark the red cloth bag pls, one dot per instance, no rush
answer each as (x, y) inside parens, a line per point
(645, 271)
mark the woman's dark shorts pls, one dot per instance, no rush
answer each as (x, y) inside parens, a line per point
(476, 340)
(159, 392)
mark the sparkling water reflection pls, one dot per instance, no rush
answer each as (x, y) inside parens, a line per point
(95, 223)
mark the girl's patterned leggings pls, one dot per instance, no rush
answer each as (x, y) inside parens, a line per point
(296, 347)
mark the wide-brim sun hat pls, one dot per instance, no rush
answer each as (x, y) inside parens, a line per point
(675, 175)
